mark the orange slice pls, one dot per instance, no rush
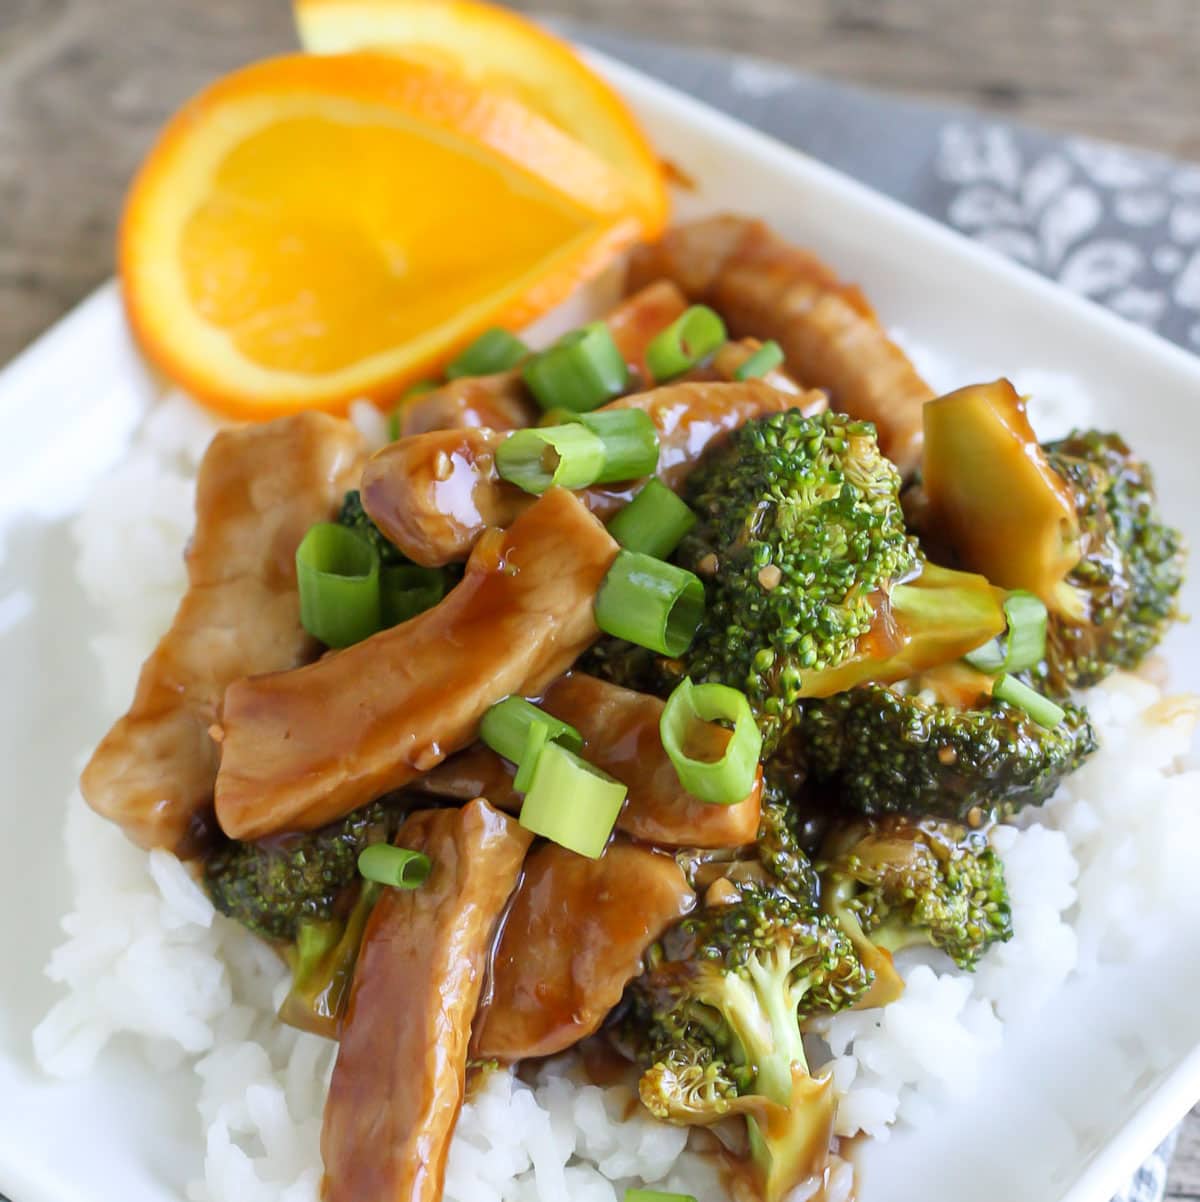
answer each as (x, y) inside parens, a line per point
(501, 51)
(314, 229)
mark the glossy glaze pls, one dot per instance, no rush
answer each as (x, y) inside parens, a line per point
(620, 731)
(399, 1080)
(572, 940)
(639, 317)
(982, 447)
(304, 747)
(434, 494)
(621, 736)
(691, 417)
(495, 402)
(765, 287)
(501, 402)
(258, 490)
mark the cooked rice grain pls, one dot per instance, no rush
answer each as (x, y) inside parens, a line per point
(146, 956)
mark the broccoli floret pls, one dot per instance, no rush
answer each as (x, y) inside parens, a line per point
(1128, 578)
(799, 526)
(715, 1021)
(355, 516)
(273, 885)
(777, 861)
(812, 583)
(780, 845)
(884, 751)
(895, 883)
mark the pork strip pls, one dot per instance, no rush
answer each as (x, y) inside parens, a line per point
(501, 401)
(573, 939)
(258, 490)
(305, 747)
(434, 494)
(620, 732)
(693, 416)
(764, 286)
(400, 1074)
(639, 317)
(496, 402)
(734, 353)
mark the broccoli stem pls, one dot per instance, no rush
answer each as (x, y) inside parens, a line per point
(323, 968)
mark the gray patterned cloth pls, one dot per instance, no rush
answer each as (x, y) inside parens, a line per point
(1119, 226)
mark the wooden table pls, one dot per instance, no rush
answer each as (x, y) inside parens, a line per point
(85, 83)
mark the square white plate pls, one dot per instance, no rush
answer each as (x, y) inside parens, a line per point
(1052, 1122)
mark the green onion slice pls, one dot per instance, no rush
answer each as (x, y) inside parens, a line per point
(337, 572)
(767, 358)
(494, 350)
(694, 334)
(1041, 709)
(653, 522)
(581, 371)
(1026, 640)
(650, 603)
(395, 866)
(535, 743)
(505, 728)
(571, 803)
(539, 458)
(630, 441)
(656, 1195)
(726, 780)
(407, 590)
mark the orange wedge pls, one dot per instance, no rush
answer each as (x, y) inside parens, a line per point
(501, 51)
(314, 229)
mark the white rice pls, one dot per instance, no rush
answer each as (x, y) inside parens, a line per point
(147, 957)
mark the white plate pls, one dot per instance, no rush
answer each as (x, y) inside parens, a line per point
(67, 407)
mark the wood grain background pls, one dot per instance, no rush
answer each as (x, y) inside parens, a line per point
(85, 83)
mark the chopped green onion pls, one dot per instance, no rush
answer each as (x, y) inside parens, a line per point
(494, 350)
(535, 743)
(767, 358)
(337, 572)
(653, 522)
(1026, 641)
(650, 603)
(730, 778)
(395, 866)
(407, 590)
(630, 442)
(1041, 709)
(695, 333)
(571, 803)
(556, 417)
(582, 370)
(539, 458)
(656, 1195)
(505, 728)
(396, 417)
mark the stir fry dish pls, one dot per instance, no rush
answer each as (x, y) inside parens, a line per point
(645, 695)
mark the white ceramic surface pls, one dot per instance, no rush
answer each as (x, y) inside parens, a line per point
(1053, 1122)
